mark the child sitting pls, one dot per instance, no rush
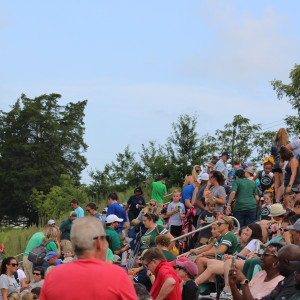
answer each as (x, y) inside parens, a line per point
(264, 213)
(207, 217)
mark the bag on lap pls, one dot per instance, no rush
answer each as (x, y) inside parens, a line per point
(38, 253)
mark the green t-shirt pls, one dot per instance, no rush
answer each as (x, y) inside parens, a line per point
(115, 242)
(35, 240)
(51, 246)
(295, 297)
(169, 255)
(65, 228)
(158, 191)
(110, 255)
(245, 191)
(229, 240)
(148, 239)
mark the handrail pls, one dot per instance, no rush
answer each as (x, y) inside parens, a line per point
(201, 228)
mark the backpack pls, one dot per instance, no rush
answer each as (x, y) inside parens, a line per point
(38, 253)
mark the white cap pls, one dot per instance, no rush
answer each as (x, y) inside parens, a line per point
(113, 218)
(229, 167)
(50, 222)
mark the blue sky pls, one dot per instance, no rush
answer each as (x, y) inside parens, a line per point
(141, 64)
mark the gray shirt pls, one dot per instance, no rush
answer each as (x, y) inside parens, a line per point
(221, 166)
(218, 192)
(175, 218)
(9, 283)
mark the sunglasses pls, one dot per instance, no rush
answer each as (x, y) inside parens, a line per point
(102, 237)
(220, 223)
(151, 204)
(146, 265)
(267, 254)
(283, 229)
(35, 273)
(14, 265)
(179, 268)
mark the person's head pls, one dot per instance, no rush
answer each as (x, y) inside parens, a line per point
(152, 258)
(46, 228)
(14, 296)
(74, 203)
(225, 224)
(150, 219)
(295, 232)
(138, 191)
(254, 232)
(243, 235)
(215, 230)
(214, 160)
(52, 223)
(160, 178)
(176, 196)
(268, 197)
(38, 273)
(104, 211)
(49, 269)
(196, 172)
(91, 208)
(36, 291)
(187, 270)
(217, 176)
(202, 179)
(237, 161)
(269, 259)
(89, 238)
(112, 198)
(134, 222)
(73, 216)
(29, 296)
(286, 254)
(68, 253)
(225, 156)
(9, 265)
(285, 154)
(289, 201)
(162, 241)
(152, 203)
(51, 234)
(281, 137)
(277, 212)
(240, 173)
(51, 258)
(268, 165)
(113, 221)
(142, 292)
(211, 204)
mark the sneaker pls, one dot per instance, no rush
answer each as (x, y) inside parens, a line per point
(226, 295)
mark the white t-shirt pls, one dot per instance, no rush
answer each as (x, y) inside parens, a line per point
(175, 218)
(21, 274)
(251, 245)
(9, 283)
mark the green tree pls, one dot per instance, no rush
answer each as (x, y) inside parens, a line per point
(262, 145)
(292, 93)
(39, 141)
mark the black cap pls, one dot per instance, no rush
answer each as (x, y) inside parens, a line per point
(226, 153)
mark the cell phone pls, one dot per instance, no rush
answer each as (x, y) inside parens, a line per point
(232, 262)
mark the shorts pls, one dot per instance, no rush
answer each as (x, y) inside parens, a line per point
(176, 230)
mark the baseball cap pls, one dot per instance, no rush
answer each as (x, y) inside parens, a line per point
(203, 176)
(190, 266)
(113, 218)
(229, 167)
(174, 262)
(296, 226)
(50, 254)
(50, 222)
(105, 209)
(226, 153)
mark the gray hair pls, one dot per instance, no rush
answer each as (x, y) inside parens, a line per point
(82, 233)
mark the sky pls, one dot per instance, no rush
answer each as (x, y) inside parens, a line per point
(140, 64)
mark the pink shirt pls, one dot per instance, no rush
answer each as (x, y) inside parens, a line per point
(260, 288)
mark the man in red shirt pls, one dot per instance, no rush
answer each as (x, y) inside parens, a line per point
(167, 282)
(89, 277)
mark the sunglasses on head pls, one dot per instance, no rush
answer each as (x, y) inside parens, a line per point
(102, 237)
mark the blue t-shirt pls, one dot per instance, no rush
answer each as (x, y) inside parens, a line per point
(119, 211)
(80, 212)
(103, 218)
(187, 193)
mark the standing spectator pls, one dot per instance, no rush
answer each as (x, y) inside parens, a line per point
(52, 223)
(167, 282)
(215, 189)
(294, 146)
(135, 203)
(115, 242)
(103, 214)
(212, 164)
(187, 195)
(159, 190)
(79, 211)
(245, 193)
(281, 139)
(176, 212)
(191, 179)
(200, 200)
(34, 241)
(89, 277)
(236, 166)
(91, 208)
(221, 164)
(115, 208)
(64, 232)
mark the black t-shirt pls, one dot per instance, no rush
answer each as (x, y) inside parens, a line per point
(133, 202)
(144, 279)
(208, 218)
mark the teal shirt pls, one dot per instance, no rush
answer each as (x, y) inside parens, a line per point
(115, 242)
(65, 229)
(35, 240)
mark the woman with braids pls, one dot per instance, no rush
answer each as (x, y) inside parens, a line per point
(8, 282)
(153, 230)
(281, 140)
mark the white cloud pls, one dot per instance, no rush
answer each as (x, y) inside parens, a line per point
(244, 48)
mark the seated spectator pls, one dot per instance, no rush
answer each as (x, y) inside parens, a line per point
(38, 278)
(167, 282)
(163, 243)
(68, 257)
(51, 259)
(36, 291)
(296, 267)
(29, 296)
(142, 292)
(14, 296)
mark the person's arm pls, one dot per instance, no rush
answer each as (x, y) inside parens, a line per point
(220, 250)
(188, 203)
(123, 249)
(125, 225)
(231, 197)
(166, 288)
(220, 200)
(194, 195)
(151, 276)
(4, 293)
(238, 276)
(58, 249)
(59, 235)
(172, 212)
(199, 204)
(294, 166)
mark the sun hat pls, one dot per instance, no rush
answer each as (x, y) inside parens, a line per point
(277, 210)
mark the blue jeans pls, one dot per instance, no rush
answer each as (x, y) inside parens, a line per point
(245, 217)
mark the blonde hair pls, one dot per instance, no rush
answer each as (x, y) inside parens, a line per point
(175, 192)
(194, 172)
(29, 296)
(51, 234)
(210, 201)
(228, 221)
(282, 137)
(14, 296)
(134, 222)
(237, 161)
